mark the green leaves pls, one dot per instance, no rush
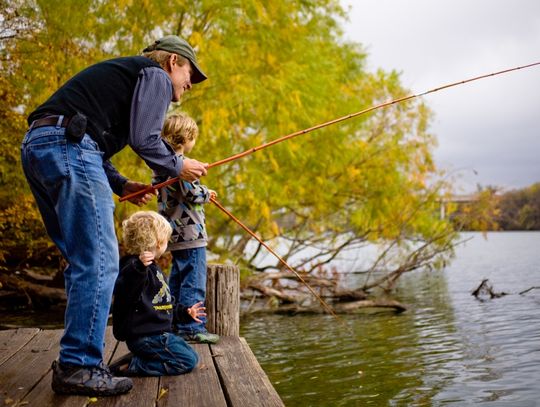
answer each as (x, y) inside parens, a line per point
(274, 68)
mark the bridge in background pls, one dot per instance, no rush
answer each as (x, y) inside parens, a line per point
(456, 199)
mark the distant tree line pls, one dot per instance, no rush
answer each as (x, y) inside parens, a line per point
(520, 209)
(517, 209)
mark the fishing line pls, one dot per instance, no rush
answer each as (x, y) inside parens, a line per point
(277, 256)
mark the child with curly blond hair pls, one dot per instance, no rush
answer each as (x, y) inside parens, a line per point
(182, 204)
(143, 309)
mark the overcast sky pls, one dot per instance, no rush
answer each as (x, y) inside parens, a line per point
(488, 131)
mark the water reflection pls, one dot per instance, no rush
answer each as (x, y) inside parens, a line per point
(447, 349)
(400, 359)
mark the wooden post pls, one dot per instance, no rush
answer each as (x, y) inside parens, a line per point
(223, 299)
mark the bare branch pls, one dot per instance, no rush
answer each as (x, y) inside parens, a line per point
(529, 289)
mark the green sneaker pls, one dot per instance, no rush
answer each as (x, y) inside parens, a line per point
(201, 337)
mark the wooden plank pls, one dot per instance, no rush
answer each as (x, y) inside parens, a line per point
(243, 380)
(231, 376)
(27, 367)
(143, 394)
(201, 387)
(111, 346)
(42, 394)
(11, 341)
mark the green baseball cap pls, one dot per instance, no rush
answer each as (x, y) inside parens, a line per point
(177, 45)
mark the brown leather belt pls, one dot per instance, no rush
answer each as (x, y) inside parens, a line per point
(50, 121)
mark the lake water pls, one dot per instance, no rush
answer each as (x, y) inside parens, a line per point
(447, 349)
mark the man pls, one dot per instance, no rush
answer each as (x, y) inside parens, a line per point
(65, 157)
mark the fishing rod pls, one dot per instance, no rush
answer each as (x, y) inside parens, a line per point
(152, 188)
(282, 261)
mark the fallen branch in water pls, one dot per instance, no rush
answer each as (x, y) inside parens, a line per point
(349, 295)
(529, 289)
(292, 299)
(33, 294)
(272, 292)
(344, 308)
(485, 288)
(354, 305)
(310, 279)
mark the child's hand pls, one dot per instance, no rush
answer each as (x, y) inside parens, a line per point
(196, 311)
(146, 258)
(213, 194)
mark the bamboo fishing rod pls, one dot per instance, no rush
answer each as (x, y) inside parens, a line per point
(152, 188)
(277, 256)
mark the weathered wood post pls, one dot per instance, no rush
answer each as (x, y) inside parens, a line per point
(223, 299)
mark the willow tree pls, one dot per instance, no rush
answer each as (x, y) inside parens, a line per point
(274, 68)
(42, 43)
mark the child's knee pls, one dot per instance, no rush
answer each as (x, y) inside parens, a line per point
(185, 364)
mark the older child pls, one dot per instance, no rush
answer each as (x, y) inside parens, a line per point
(182, 204)
(143, 312)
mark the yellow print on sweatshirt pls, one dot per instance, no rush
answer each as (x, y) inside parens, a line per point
(162, 307)
(164, 291)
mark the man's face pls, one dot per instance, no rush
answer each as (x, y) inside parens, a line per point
(180, 77)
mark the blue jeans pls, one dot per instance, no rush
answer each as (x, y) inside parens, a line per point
(161, 355)
(188, 283)
(73, 195)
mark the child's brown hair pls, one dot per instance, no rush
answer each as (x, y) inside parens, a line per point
(178, 129)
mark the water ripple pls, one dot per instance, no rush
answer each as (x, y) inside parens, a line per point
(449, 348)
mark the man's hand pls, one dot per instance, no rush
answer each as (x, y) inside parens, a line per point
(196, 311)
(146, 258)
(192, 170)
(213, 194)
(132, 186)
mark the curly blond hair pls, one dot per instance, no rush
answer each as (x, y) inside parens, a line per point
(178, 129)
(145, 231)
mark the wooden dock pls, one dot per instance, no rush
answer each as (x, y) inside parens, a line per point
(227, 375)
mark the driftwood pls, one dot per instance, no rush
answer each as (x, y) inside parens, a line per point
(377, 303)
(37, 278)
(293, 299)
(313, 281)
(529, 289)
(273, 292)
(18, 289)
(349, 295)
(486, 289)
(341, 308)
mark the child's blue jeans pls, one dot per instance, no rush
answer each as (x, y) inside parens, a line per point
(161, 355)
(187, 283)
